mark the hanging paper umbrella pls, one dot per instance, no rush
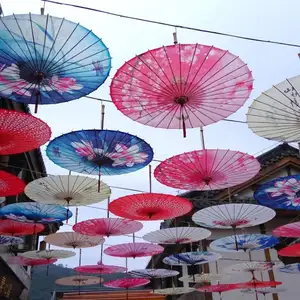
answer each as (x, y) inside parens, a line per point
(10, 185)
(126, 283)
(173, 291)
(291, 230)
(280, 193)
(104, 152)
(244, 242)
(256, 284)
(181, 86)
(107, 227)
(233, 215)
(48, 254)
(203, 277)
(34, 212)
(275, 114)
(22, 261)
(73, 240)
(291, 268)
(79, 280)
(153, 273)
(67, 190)
(290, 251)
(21, 132)
(134, 250)
(191, 258)
(48, 60)
(150, 206)
(177, 235)
(207, 169)
(250, 266)
(100, 268)
(264, 291)
(7, 240)
(14, 228)
(218, 288)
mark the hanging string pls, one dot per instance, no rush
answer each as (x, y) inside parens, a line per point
(229, 195)
(175, 40)
(43, 9)
(80, 254)
(108, 202)
(101, 254)
(202, 138)
(150, 179)
(102, 115)
(133, 237)
(76, 215)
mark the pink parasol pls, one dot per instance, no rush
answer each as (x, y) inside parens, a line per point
(126, 283)
(100, 268)
(217, 288)
(134, 250)
(181, 86)
(107, 227)
(290, 251)
(22, 261)
(14, 228)
(291, 230)
(207, 169)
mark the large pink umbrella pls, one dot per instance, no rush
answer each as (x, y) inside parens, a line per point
(100, 268)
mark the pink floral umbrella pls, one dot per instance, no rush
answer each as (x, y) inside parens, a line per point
(207, 169)
(291, 230)
(22, 261)
(100, 268)
(134, 250)
(126, 283)
(181, 86)
(107, 227)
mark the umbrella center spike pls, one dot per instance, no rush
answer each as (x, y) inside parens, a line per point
(207, 180)
(39, 76)
(181, 100)
(103, 161)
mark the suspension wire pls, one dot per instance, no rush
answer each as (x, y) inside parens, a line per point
(247, 38)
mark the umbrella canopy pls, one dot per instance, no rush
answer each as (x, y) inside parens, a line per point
(48, 60)
(173, 291)
(274, 115)
(126, 283)
(191, 258)
(150, 206)
(233, 215)
(10, 185)
(14, 228)
(79, 280)
(290, 251)
(244, 242)
(21, 132)
(250, 266)
(67, 190)
(291, 268)
(291, 230)
(153, 273)
(104, 152)
(207, 169)
(203, 277)
(256, 284)
(73, 240)
(280, 193)
(177, 235)
(7, 240)
(34, 212)
(264, 291)
(22, 261)
(218, 288)
(181, 86)
(107, 227)
(100, 268)
(134, 250)
(48, 254)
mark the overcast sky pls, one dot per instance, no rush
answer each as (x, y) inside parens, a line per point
(270, 64)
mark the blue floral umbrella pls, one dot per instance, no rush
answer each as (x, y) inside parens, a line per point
(280, 193)
(35, 212)
(48, 60)
(100, 152)
(6, 240)
(244, 242)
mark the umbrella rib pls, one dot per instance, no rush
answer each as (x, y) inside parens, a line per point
(44, 44)
(33, 39)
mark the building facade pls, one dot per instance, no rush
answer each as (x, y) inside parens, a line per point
(15, 280)
(283, 160)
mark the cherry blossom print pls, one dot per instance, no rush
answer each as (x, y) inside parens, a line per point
(288, 230)
(62, 85)
(288, 187)
(189, 54)
(86, 149)
(233, 223)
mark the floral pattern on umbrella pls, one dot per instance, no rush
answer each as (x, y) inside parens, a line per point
(126, 283)
(291, 230)
(280, 193)
(291, 268)
(104, 152)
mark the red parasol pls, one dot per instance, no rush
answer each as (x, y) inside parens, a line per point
(134, 250)
(207, 169)
(217, 288)
(21, 132)
(10, 184)
(255, 284)
(10, 227)
(291, 230)
(290, 251)
(100, 268)
(107, 227)
(22, 261)
(181, 86)
(150, 206)
(126, 283)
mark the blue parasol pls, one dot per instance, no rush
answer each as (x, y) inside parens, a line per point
(35, 212)
(291, 268)
(6, 240)
(100, 152)
(280, 193)
(49, 60)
